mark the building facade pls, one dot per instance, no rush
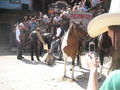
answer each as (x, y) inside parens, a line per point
(16, 4)
(11, 11)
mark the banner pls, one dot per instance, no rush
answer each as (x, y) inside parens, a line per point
(85, 17)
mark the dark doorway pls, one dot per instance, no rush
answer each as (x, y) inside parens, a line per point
(41, 5)
(4, 34)
(37, 5)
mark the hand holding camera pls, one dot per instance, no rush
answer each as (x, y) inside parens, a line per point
(92, 60)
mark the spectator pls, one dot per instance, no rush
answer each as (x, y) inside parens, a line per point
(57, 19)
(50, 26)
(75, 8)
(34, 45)
(106, 22)
(56, 22)
(40, 15)
(45, 18)
(26, 23)
(33, 24)
(73, 2)
(82, 8)
(65, 21)
(68, 12)
(41, 24)
(19, 39)
(94, 3)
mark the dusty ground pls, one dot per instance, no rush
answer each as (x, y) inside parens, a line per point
(26, 75)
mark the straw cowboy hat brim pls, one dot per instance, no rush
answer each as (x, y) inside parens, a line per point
(100, 24)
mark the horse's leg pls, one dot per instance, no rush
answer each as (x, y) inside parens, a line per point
(60, 52)
(65, 63)
(73, 65)
(78, 57)
(60, 55)
(79, 61)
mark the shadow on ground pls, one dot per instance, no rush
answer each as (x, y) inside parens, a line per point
(27, 61)
(84, 79)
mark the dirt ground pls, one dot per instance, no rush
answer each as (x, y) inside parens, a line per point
(26, 75)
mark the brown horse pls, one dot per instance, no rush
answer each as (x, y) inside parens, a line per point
(73, 38)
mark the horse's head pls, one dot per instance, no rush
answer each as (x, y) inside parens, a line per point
(78, 30)
(105, 43)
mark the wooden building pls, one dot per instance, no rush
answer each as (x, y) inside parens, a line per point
(10, 13)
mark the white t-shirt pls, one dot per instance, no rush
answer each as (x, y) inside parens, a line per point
(18, 35)
(57, 19)
(58, 32)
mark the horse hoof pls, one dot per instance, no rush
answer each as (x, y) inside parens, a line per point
(71, 69)
(80, 67)
(72, 80)
(64, 78)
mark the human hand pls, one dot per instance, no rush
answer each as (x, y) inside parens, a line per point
(92, 62)
(45, 46)
(18, 42)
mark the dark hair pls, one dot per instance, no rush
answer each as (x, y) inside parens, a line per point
(116, 47)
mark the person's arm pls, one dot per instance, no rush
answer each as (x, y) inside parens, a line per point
(40, 38)
(18, 35)
(93, 83)
(92, 64)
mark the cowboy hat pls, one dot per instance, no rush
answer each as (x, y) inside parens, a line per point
(99, 24)
(45, 16)
(21, 25)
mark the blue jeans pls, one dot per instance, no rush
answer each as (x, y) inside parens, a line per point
(54, 45)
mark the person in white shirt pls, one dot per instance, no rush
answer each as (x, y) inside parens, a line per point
(57, 38)
(19, 42)
(18, 34)
(57, 19)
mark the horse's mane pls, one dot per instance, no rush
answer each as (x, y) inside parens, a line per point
(70, 30)
(105, 40)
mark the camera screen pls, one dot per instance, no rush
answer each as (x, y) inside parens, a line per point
(92, 47)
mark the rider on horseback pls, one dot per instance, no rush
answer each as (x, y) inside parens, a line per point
(57, 39)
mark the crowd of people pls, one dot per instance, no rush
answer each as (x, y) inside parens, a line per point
(28, 30)
(85, 5)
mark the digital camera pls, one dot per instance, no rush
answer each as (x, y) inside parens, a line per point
(91, 46)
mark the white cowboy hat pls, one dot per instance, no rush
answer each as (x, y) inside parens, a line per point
(45, 16)
(99, 24)
(21, 25)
